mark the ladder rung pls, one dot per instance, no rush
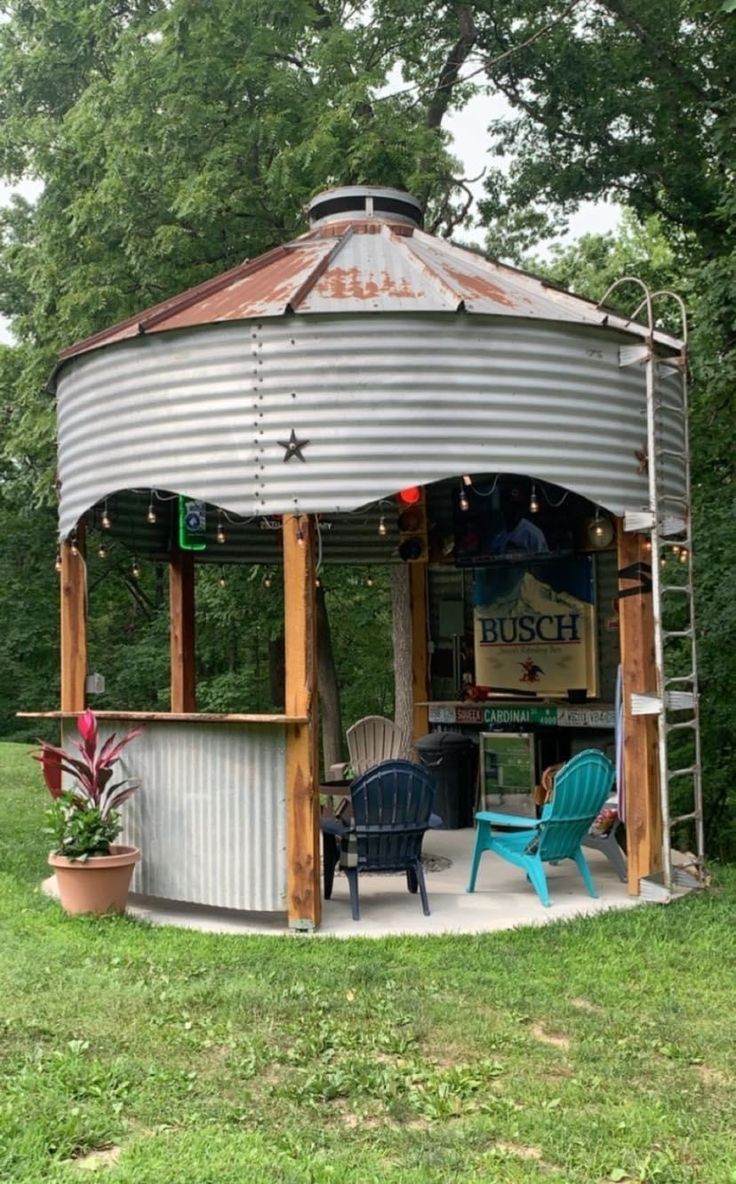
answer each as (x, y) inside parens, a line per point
(673, 497)
(674, 588)
(680, 678)
(685, 723)
(677, 633)
(690, 771)
(684, 818)
(672, 452)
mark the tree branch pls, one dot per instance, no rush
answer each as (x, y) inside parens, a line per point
(454, 62)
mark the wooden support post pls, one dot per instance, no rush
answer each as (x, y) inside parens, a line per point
(304, 900)
(640, 767)
(182, 633)
(74, 624)
(419, 647)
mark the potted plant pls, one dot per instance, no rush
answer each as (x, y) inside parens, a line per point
(92, 873)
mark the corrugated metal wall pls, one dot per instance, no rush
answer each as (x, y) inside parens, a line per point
(383, 402)
(210, 818)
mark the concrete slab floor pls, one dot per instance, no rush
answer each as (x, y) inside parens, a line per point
(502, 899)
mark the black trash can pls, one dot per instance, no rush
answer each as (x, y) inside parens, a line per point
(453, 761)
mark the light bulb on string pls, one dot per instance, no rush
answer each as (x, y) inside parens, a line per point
(102, 551)
(317, 582)
(683, 555)
(534, 501)
(266, 581)
(135, 570)
(647, 545)
(463, 500)
(57, 562)
(382, 528)
(598, 528)
(222, 581)
(73, 546)
(300, 535)
(369, 581)
(220, 536)
(105, 522)
(676, 550)
(151, 515)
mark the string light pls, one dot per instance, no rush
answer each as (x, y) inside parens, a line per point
(266, 581)
(369, 581)
(534, 501)
(105, 522)
(151, 515)
(300, 535)
(382, 528)
(647, 545)
(463, 502)
(135, 570)
(222, 580)
(220, 536)
(102, 551)
(57, 563)
(317, 582)
(599, 529)
(676, 550)
(73, 547)
(683, 555)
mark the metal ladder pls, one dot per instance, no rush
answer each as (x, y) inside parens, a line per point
(667, 524)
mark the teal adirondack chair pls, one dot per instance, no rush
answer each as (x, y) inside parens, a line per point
(580, 791)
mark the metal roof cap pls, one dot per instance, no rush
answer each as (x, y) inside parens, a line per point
(356, 202)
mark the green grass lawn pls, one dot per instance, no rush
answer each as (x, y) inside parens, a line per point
(589, 1051)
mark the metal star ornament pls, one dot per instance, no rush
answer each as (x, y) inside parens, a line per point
(293, 447)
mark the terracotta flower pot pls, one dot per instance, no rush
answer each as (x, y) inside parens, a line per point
(99, 885)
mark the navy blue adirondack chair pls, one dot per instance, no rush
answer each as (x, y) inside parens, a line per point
(580, 790)
(391, 805)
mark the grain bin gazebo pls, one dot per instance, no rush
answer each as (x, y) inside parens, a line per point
(317, 380)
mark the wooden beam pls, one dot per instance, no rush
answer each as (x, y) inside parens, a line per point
(182, 632)
(74, 624)
(303, 896)
(419, 647)
(640, 769)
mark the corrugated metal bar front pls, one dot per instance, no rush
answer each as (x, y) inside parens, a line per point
(380, 402)
(210, 817)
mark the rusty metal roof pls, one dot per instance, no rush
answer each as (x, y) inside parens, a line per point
(363, 262)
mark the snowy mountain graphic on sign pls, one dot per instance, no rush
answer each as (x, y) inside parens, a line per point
(531, 596)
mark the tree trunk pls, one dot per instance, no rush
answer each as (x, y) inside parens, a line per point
(329, 692)
(401, 636)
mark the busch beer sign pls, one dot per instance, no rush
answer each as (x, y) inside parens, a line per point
(535, 626)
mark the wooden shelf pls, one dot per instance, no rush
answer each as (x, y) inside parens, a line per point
(190, 717)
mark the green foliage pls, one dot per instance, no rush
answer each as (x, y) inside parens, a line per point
(79, 832)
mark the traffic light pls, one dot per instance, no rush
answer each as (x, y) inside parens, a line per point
(412, 524)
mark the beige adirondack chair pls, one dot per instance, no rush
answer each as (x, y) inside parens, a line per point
(375, 739)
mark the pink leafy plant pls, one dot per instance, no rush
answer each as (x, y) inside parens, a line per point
(92, 769)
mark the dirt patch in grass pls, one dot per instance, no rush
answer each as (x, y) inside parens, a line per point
(520, 1151)
(552, 1038)
(581, 1004)
(715, 1078)
(99, 1159)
